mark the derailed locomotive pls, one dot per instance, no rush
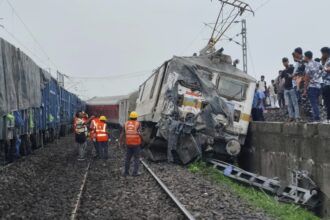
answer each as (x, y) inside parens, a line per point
(191, 106)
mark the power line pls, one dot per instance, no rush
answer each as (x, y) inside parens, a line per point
(193, 41)
(30, 32)
(259, 7)
(262, 5)
(18, 41)
(251, 58)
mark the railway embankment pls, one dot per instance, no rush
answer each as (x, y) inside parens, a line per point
(275, 149)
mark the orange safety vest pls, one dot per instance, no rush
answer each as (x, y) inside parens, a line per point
(101, 132)
(92, 127)
(131, 133)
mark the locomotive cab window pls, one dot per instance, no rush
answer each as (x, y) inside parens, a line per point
(232, 89)
(154, 84)
(141, 91)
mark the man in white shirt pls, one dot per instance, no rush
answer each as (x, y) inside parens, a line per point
(272, 94)
(262, 85)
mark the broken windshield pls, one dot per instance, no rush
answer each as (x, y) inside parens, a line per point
(232, 89)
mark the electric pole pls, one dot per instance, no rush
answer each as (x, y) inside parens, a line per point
(244, 46)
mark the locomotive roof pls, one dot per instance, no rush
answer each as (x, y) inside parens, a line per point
(215, 63)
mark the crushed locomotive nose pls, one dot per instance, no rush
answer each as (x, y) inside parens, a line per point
(192, 106)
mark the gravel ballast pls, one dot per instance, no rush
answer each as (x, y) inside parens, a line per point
(109, 195)
(46, 185)
(204, 199)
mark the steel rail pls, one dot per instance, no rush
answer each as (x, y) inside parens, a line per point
(169, 193)
(75, 210)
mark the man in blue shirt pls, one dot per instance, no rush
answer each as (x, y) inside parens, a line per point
(258, 105)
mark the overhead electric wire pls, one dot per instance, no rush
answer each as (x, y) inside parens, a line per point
(26, 48)
(31, 34)
(193, 41)
(258, 8)
(251, 58)
(262, 5)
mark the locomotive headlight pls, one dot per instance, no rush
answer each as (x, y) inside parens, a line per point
(237, 115)
(233, 147)
(221, 119)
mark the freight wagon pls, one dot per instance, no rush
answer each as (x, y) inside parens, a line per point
(34, 108)
(197, 105)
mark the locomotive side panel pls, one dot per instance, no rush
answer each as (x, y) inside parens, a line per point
(149, 96)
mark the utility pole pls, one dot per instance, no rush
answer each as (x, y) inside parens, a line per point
(244, 46)
(60, 79)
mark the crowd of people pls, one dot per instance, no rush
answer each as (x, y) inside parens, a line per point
(95, 130)
(302, 85)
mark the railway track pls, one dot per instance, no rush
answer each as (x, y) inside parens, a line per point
(74, 215)
(81, 190)
(182, 208)
(106, 194)
(57, 186)
(203, 198)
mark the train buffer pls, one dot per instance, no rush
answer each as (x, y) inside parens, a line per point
(291, 193)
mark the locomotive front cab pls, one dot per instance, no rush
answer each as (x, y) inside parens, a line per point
(238, 93)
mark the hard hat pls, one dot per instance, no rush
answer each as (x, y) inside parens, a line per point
(133, 115)
(103, 118)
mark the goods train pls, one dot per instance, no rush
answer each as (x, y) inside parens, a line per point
(191, 106)
(34, 108)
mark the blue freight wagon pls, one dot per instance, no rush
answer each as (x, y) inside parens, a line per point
(34, 108)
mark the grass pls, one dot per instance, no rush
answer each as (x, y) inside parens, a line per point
(254, 197)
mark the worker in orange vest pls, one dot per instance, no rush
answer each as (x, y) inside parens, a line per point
(133, 140)
(102, 137)
(92, 134)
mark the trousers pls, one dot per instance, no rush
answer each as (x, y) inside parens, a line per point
(326, 98)
(313, 95)
(102, 149)
(281, 101)
(292, 101)
(81, 149)
(132, 151)
(258, 114)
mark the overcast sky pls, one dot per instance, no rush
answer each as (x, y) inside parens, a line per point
(128, 39)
